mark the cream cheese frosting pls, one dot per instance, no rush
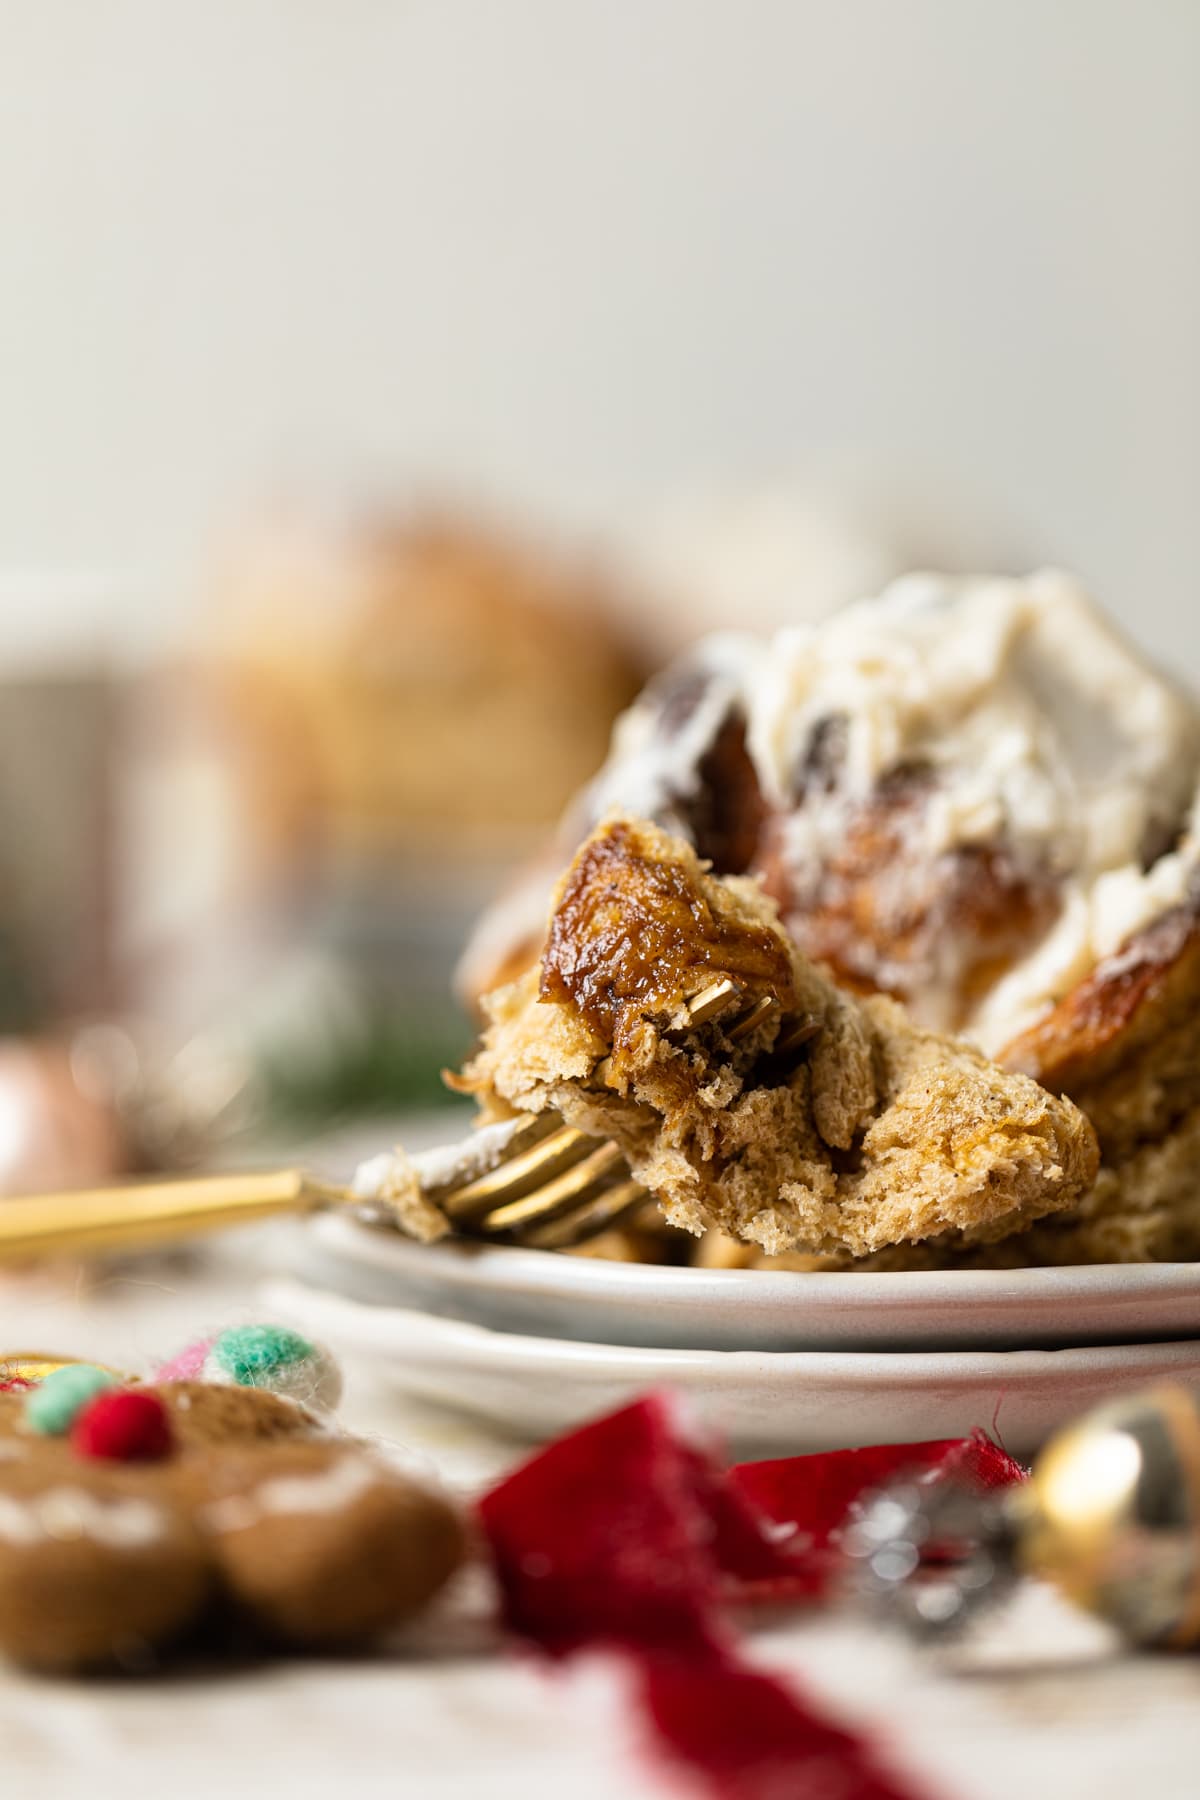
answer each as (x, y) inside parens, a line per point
(1040, 724)
(1040, 729)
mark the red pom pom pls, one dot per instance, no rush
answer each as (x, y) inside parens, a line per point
(123, 1425)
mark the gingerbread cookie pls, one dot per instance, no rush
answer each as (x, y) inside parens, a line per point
(205, 1415)
(97, 1564)
(131, 1514)
(12, 1412)
(320, 1543)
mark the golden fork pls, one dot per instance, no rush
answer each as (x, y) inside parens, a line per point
(550, 1187)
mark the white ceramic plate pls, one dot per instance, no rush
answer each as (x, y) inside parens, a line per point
(764, 1402)
(540, 1294)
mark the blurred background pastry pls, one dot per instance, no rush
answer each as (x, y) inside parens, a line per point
(384, 712)
(406, 684)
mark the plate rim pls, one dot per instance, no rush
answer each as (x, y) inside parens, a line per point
(515, 1350)
(512, 1268)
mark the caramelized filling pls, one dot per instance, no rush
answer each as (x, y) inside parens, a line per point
(725, 817)
(632, 935)
(882, 920)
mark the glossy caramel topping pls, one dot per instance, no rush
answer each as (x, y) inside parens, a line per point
(1098, 1013)
(638, 927)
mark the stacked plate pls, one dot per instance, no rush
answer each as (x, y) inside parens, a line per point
(779, 1362)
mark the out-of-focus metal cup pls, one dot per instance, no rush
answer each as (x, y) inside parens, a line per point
(56, 842)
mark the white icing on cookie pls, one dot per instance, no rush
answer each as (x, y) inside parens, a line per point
(324, 1491)
(65, 1514)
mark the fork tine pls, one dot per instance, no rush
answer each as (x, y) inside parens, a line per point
(600, 1214)
(795, 1034)
(761, 1010)
(581, 1183)
(707, 1005)
(702, 1008)
(529, 1169)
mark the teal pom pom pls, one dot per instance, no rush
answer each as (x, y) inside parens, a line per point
(252, 1355)
(51, 1408)
(270, 1356)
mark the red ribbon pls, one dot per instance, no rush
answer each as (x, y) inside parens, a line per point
(629, 1535)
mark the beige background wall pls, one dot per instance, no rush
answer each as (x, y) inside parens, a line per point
(573, 251)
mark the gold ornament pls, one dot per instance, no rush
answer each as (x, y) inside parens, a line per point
(34, 1365)
(1111, 1515)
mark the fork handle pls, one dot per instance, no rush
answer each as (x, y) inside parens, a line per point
(96, 1220)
